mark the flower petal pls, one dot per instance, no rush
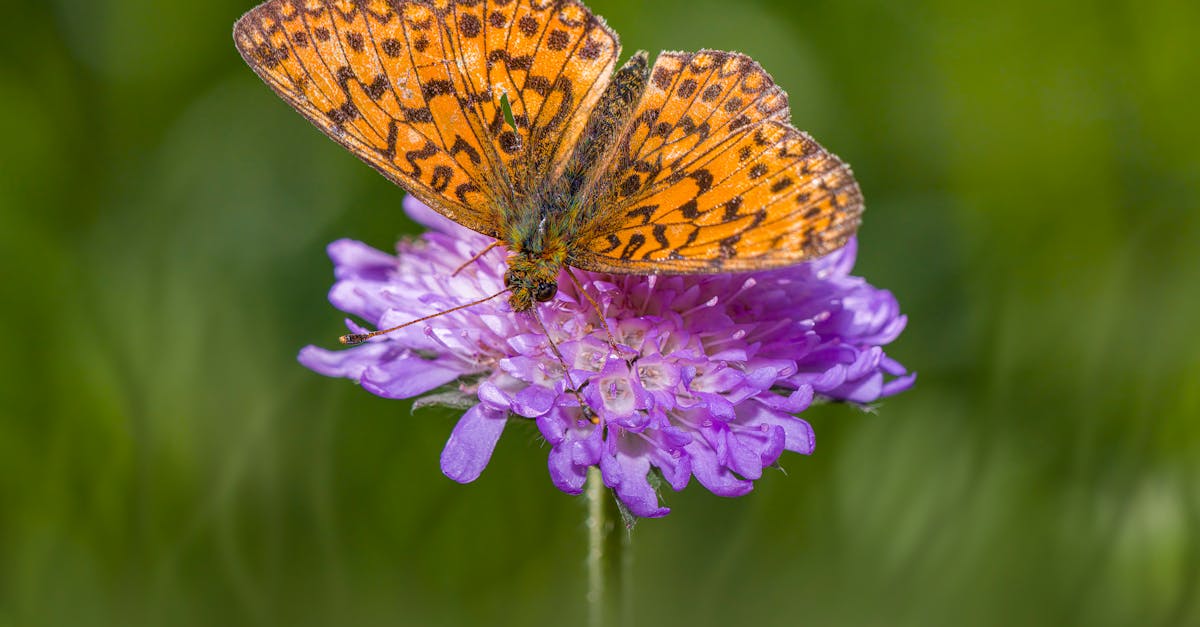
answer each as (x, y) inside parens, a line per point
(350, 363)
(798, 434)
(355, 260)
(406, 378)
(714, 476)
(533, 401)
(471, 443)
(420, 213)
(565, 474)
(626, 475)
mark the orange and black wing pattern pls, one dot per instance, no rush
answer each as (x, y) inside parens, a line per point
(415, 88)
(710, 177)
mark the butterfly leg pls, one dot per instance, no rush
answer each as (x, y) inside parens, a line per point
(612, 340)
(583, 406)
(476, 257)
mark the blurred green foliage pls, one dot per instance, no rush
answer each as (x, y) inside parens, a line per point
(1032, 174)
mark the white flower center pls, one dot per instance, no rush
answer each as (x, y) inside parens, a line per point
(617, 395)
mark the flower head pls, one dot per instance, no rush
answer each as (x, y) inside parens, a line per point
(705, 381)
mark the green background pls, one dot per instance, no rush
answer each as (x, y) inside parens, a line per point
(1031, 172)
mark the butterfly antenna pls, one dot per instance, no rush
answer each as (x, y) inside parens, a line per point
(354, 339)
(566, 371)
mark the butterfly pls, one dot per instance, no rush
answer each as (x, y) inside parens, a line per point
(509, 117)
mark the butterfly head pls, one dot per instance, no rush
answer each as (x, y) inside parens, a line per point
(538, 245)
(529, 280)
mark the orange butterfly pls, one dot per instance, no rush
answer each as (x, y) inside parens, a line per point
(506, 116)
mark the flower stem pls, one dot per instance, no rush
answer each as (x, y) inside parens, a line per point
(597, 525)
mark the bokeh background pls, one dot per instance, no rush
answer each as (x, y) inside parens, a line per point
(1031, 170)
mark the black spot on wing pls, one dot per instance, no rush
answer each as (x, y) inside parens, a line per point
(728, 246)
(378, 87)
(469, 26)
(440, 179)
(558, 40)
(636, 241)
(461, 145)
(461, 191)
(613, 242)
(413, 156)
(528, 26)
(659, 233)
(630, 185)
(591, 50)
(643, 212)
(417, 114)
(686, 88)
(731, 208)
(392, 48)
(435, 88)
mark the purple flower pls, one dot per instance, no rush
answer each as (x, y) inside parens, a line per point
(709, 376)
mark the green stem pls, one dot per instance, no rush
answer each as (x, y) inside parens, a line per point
(626, 583)
(597, 525)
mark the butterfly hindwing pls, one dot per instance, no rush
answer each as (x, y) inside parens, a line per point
(711, 177)
(415, 88)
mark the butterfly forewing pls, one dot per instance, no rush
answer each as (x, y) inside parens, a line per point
(414, 88)
(710, 177)
(549, 59)
(553, 61)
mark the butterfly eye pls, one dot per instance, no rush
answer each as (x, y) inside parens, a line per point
(543, 292)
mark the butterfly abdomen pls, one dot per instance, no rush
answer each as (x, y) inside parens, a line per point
(606, 121)
(540, 231)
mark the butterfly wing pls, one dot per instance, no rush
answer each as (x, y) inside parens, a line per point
(414, 88)
(711, 177)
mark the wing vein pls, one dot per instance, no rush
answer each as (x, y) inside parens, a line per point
(383, 69)
(485, 143)
(341, 46)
